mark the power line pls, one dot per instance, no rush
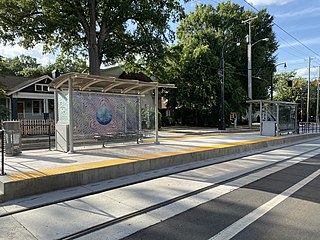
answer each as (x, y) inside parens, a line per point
(286, 31)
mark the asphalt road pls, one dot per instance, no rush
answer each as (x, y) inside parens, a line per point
(245, 214)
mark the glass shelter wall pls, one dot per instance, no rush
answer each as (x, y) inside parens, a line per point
(102, 114)
(277, 117)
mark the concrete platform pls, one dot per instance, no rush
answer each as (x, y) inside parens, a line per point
(40, 171)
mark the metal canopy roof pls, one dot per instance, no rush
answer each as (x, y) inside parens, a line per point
(271, 102)
(86, 82)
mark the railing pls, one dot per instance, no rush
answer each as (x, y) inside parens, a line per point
(310, 127)
(2, 152)
(34, 116)
(37, 127)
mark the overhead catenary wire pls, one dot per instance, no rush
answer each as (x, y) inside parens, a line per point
(289, 34)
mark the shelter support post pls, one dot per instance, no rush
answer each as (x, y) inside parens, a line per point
(278, 120)
(70, 89)
(296, 125)
(125, 115)
(55, 96)
(260, 117)
(156, 110)
(139, 115)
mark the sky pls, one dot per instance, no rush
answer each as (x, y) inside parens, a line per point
(296, 25)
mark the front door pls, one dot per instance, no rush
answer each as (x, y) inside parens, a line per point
(20, 110)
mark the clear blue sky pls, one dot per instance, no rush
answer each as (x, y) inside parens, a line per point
(297, 17)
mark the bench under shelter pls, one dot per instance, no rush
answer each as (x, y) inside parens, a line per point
(101, 108)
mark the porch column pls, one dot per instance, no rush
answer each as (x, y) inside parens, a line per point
(45, 106)
(14, 108)
(10, 108)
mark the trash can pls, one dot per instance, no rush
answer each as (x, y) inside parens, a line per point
(12, 136)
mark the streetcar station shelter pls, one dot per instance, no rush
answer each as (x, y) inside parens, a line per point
(277, 117)
(88, 105)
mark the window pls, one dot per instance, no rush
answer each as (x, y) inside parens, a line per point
(41, 88)
(38, 88)
(36, 107)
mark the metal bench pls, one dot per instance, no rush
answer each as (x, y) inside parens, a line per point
(119, 137)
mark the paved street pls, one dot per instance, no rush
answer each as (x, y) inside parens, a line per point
(246, 214)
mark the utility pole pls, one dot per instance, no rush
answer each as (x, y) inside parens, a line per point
(249, 70)
(308, 94)
(317, 111)
(222, 124)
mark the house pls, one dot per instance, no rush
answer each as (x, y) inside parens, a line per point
(28, 98)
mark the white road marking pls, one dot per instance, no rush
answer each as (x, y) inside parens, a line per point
(244, 222)
(132, 225)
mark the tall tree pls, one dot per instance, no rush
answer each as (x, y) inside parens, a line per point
(106, 31)
(194, 63)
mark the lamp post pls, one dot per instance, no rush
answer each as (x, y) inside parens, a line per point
(222, 122)
(317, 110)
(271, 91)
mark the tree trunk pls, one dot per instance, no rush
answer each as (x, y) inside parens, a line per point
(94, 62)
(94, 59)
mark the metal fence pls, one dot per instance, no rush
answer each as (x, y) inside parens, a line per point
(34, 127)
(2, 152)
(309, 127)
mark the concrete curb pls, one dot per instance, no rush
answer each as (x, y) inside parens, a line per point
(21, 188)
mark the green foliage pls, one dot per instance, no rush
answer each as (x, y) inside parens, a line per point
(194, 63)
(13, 66)
(106, 31)
(285, 93)
(67, 64)
(4, 112)
(298, 93)
(27, 66)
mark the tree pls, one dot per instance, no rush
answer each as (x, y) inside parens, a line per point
(12, 66)
(27, 66)
(194, 63)
(296, 92)
(106, 31)
(283, 92)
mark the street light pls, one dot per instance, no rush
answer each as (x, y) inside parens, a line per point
(250, 66)
(222, 122)
(271, 90)
(261, 40)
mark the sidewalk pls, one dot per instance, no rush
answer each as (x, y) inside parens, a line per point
(39, 171)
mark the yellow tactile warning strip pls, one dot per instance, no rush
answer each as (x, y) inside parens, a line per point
(187, 136)
(101, 164)
(194, 136)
